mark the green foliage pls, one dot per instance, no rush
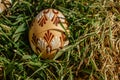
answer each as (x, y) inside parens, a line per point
(75, 61)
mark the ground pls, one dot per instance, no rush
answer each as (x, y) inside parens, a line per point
(92, 54)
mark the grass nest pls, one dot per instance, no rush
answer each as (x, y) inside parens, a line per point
(93, 52)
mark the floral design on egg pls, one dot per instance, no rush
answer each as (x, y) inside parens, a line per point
(46, 34)
(55, 43)
(42, 44)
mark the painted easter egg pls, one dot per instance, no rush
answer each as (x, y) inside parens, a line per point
(47, 33)
(4, 4)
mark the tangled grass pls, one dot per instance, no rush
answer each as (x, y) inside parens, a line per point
(93, 52)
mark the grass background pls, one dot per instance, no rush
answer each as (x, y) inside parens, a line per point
(93, 52)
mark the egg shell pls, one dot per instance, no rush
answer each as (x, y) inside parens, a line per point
(47, 33)
(4, 4)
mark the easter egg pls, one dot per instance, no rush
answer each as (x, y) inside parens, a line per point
(47, 34)
(4, 4)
